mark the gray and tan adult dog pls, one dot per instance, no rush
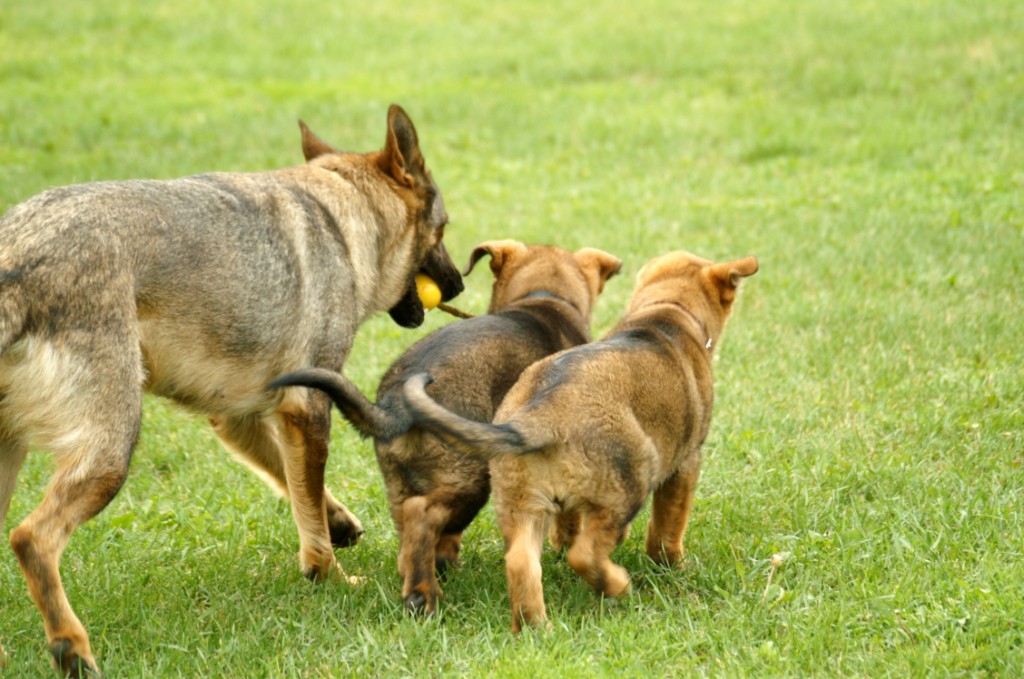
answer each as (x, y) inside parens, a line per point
(586, 435)
(540, 303)
(200, 289)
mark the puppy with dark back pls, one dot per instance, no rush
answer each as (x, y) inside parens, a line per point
(586, 435)
(202, 290)
(540, 304)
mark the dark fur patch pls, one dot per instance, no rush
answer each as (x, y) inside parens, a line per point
(13, 276)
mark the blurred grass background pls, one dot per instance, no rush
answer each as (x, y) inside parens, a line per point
(869, 424)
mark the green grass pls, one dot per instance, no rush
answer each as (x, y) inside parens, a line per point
(870, 402)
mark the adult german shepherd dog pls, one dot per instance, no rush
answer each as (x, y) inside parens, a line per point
(203, 290)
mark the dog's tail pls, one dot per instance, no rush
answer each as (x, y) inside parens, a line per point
(480, 439)
(369, 419)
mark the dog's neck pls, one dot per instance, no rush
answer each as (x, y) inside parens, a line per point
(545, 293)
(540, 295)
(708, 341)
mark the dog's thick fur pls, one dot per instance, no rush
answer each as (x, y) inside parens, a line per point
(540, 303)
(200, 289)
(586, 435)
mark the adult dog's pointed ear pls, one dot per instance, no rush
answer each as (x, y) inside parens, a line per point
(727, 276)
(312, 145)
(500, 252)
(598, 266)
(401, 157)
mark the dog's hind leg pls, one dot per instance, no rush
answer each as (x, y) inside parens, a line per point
(89, 418)
(524, 540)
(423, 520)
(564, 529)
(590, 554)
(670, 512)
(446, 553)
(255, 440)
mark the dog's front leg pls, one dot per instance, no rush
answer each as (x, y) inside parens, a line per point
(306, 432)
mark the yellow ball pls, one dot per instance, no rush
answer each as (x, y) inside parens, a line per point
(426, 288)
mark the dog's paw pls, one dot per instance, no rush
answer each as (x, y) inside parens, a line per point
(669, 558)
(616, 582)
(443, 564)
(416, 603)
(345, 530)
(446, 553)
(318, 567)
(422, 602)
(69, 663)
(331, 571)
(536, 620)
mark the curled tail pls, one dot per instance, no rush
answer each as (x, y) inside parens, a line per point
(480, 439)
(367, 417)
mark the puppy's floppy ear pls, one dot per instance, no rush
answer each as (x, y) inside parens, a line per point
(728, 274)
(312, 145)
(500, 251)
(401, 157)
(598, 265)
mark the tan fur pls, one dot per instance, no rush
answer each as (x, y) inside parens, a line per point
(585, 435)
(202, 290)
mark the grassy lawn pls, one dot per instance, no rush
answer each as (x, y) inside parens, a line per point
(869, 423)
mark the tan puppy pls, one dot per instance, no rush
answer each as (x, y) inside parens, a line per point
(540, 304)
(587, 434)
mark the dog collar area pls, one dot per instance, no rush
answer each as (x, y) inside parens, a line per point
(544, 294)
(707, 344)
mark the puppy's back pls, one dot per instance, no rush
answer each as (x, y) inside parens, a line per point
(474, 362)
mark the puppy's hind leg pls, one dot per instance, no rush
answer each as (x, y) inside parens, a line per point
(590, 554)
(423, 520)
(670, 513)
(446, 554)
(524, 540)
(564, 529)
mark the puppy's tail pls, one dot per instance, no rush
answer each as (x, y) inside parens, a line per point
(369, 419)
(480, 439)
